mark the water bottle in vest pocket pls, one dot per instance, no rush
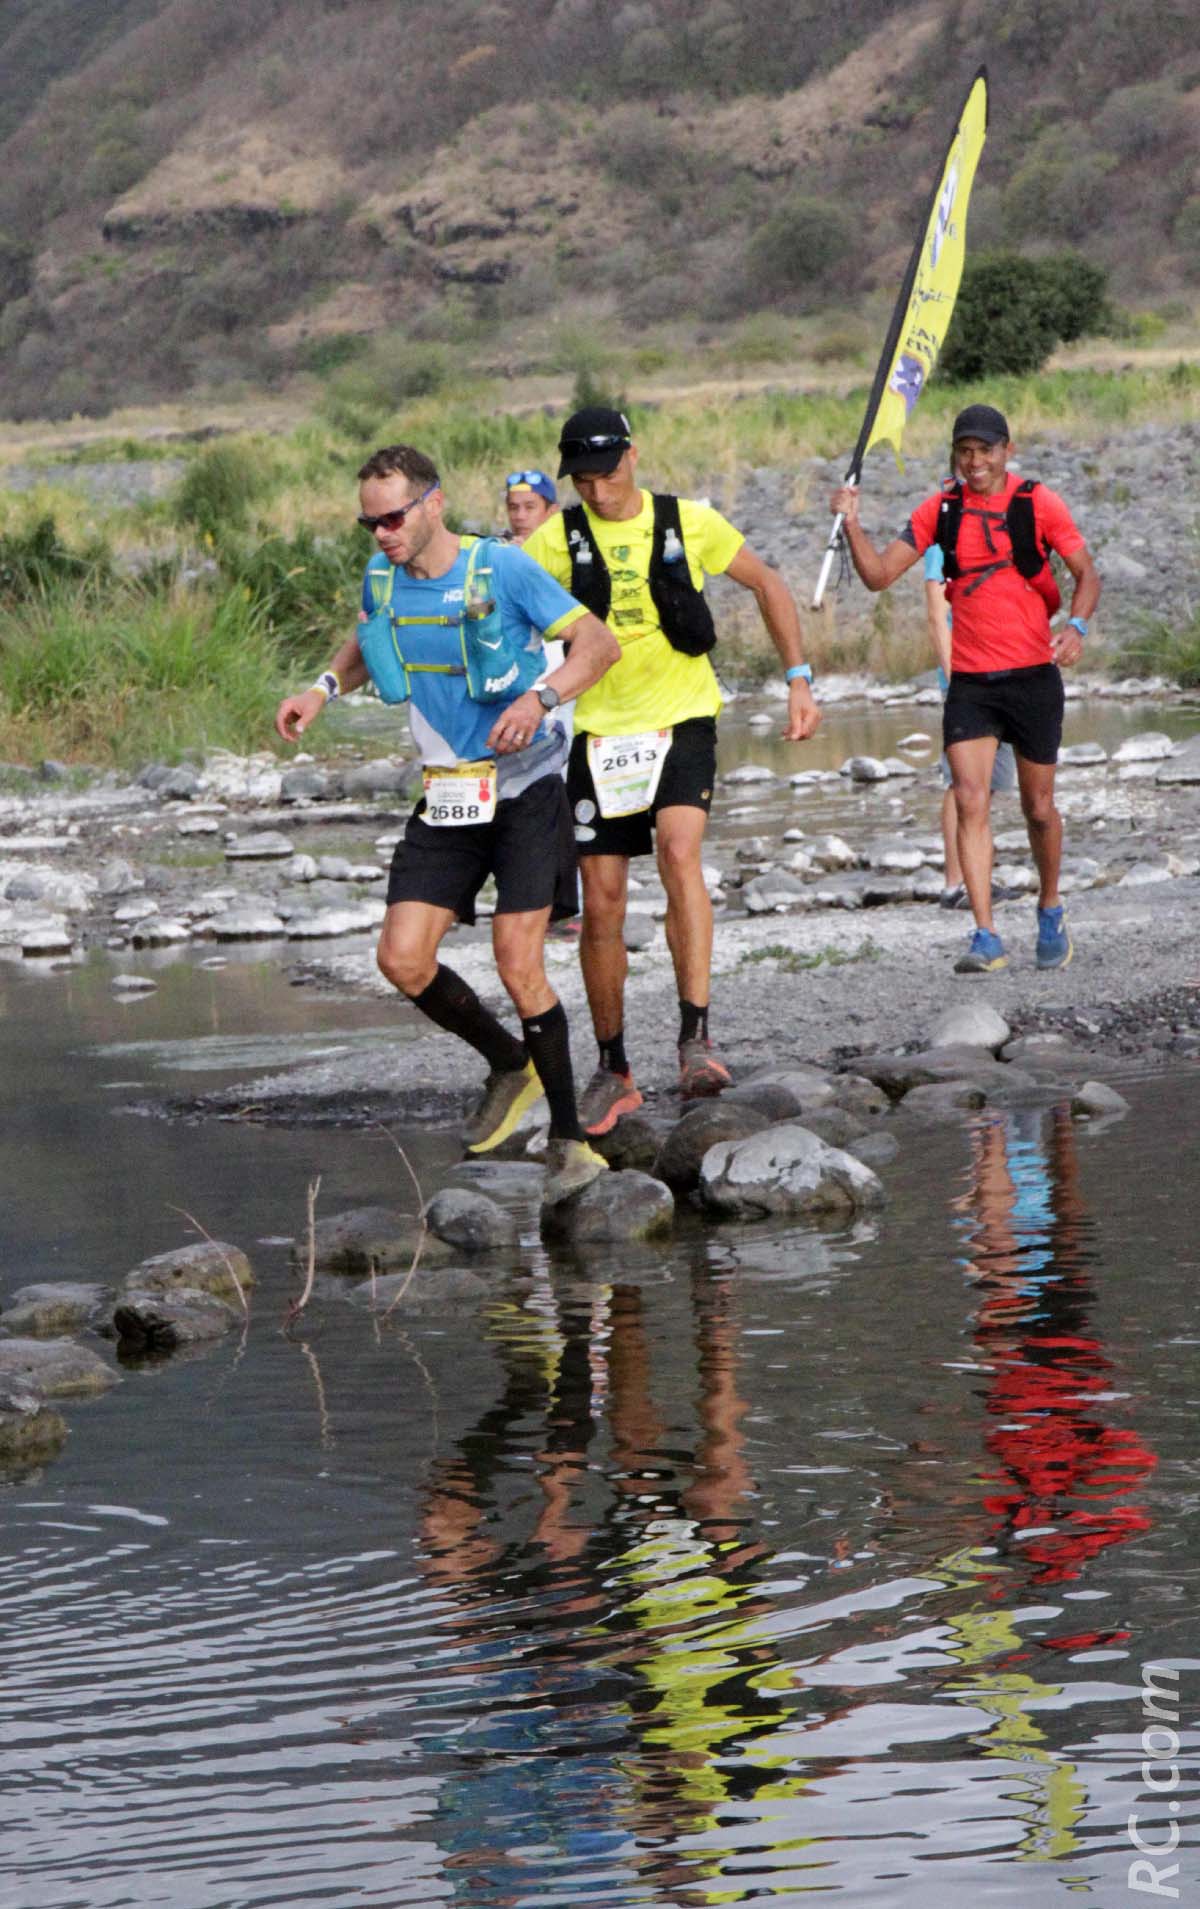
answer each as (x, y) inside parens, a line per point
(381, 654)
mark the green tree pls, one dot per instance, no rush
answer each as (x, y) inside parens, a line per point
(1012, 311)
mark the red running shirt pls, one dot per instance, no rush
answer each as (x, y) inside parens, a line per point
(1003, 624)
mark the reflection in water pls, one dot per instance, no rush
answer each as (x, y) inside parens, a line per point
(651, 1726)
(1064, 1472)
(613, 1594)
(612, 1727)
(1057, 1486)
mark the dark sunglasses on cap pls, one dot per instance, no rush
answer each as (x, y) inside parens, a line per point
(394, 519)
(602, 441)
(532, 478)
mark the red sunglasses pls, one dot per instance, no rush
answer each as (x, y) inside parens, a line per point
(394, 519)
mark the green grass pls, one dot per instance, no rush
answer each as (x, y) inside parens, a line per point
(137, 675)
(94, 668)
(792, 961)
(1163, 649)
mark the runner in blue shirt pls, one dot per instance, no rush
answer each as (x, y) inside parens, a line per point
(494, 803)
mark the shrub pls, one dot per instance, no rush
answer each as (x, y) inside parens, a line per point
(1062, 186)
(390, 374)
(799, 245)
(306, 587)
(35, 561)
(1186, 233)
(216, 493)
(1012, 311)
(1136, 120)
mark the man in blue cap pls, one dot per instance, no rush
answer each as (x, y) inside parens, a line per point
(529, 498)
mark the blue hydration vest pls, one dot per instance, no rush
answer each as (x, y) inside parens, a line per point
(497, 664)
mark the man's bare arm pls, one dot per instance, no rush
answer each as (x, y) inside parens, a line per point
(295, 713)
(777, 607)
(878, 569)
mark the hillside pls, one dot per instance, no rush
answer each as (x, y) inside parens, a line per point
(204, 193)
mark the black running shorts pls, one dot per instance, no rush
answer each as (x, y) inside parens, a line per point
(529, 847)
(1021, 706)
(687, 779)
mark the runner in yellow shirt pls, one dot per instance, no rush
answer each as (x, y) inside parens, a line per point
(643, 761)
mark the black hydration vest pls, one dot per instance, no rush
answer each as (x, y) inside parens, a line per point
(1027, 556)
(684, 615)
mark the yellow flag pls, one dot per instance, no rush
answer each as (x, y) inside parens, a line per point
(926, 302)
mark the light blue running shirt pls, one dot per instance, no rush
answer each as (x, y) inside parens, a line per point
(447, 726)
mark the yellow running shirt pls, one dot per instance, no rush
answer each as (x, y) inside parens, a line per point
(653, 685)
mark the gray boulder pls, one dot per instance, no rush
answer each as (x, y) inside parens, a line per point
(970, 1024)
(774, 893)
(48, 1311)
(616, 1208)
(945, 1099)
(860, 1096)
(632, 1146)
(370, 1239)
(162, 1322)
(785, 1170)
(431, 1289)
(265, 845)
(866, 769)
(381, 777)
(304, 784)
(1183, 767)
(54, 1368)
(249, 923)
(780, 1092)
(1096, 1098)
(677, 1162)
(471, 1221)
(180, 784)
(31, 1432)
(1148, 745)
(899, 1074)
(212, 1267)
(835, 1125)
(875, 1150)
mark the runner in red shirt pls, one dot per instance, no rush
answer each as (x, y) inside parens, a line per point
(1005, 684)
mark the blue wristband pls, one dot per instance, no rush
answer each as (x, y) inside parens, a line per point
(1077, 623)
(798, 672)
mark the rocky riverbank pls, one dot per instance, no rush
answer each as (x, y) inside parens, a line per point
(1132, 492)
(825, 880)
(834, 999)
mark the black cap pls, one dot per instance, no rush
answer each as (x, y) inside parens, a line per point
(982, 421)
(593, 440)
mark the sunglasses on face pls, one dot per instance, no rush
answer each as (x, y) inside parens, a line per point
(576, 446)
(394, 519)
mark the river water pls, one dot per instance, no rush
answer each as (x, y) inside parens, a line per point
(774, 1565)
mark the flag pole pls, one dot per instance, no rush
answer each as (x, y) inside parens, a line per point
(899, 318)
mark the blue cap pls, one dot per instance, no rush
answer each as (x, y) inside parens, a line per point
(532, 481)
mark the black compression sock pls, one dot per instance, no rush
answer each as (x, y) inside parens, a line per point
(450, 1003)
(549, 1046)
(693, 1022)
(612, 1054)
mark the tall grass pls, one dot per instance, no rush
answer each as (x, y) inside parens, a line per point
(1164, 649)
(137, 675)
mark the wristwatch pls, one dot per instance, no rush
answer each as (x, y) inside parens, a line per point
(549, 698)
(801, 672)
(1077, 623)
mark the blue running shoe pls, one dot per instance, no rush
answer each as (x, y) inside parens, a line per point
(1054, 948)
(984, 956)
